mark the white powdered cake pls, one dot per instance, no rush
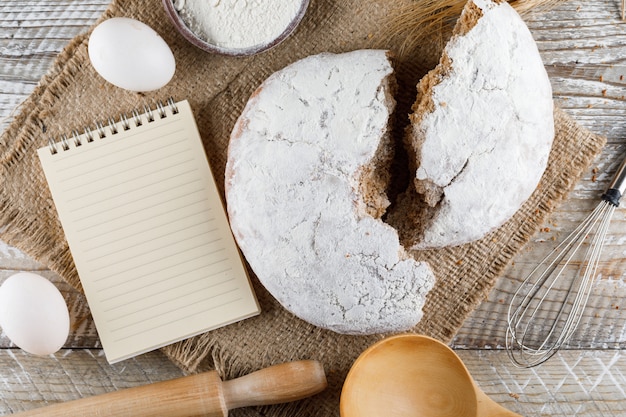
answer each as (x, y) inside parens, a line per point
(307, 166)
(482, 128)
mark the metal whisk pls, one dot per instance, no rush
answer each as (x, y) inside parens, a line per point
(548, 305)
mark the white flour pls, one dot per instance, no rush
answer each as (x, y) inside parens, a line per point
(238, 23)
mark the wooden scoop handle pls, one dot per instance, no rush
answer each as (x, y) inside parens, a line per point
(199, 395)
(486, 407)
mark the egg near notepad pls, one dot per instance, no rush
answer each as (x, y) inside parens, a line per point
(33, 313)
(131, 55)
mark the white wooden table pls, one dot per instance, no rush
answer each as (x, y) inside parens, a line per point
(583, 45)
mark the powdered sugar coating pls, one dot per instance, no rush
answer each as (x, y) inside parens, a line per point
(486, 142)
(292, 189)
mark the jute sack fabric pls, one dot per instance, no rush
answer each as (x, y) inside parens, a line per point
(72, 95)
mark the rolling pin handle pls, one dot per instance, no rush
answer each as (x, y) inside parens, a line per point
(281, 383)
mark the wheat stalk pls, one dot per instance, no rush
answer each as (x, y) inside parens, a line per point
(421, 19)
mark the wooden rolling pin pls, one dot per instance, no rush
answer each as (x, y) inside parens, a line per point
(203, 394)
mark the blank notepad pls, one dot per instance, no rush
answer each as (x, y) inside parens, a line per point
(147, 230)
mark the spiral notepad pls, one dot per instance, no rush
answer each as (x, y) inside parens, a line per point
(147, 230)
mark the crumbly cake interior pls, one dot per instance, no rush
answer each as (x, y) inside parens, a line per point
(375, 178)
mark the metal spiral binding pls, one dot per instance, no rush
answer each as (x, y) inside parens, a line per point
(111, 127)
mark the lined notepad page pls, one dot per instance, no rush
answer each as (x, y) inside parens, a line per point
(148, 233)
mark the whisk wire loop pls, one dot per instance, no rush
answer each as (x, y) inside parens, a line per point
(535, 330)
(532, 311)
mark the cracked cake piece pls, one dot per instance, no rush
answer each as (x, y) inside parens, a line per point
(481, 131)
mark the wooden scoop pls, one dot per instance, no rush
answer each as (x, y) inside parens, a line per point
(414, 376)
(199, 395)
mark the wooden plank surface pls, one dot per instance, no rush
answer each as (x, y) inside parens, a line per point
(29, 382)
(583, 45)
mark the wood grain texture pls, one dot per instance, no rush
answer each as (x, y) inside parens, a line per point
(574, 383)
(30, 382)
(583, 45)
(32, 33)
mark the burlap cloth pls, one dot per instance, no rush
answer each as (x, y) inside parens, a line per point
(72, 95)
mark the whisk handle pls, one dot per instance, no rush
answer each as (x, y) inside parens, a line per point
(617, 187)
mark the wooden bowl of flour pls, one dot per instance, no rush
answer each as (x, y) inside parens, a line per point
(216, 26)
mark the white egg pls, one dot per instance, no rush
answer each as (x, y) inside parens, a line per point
(131, 55)
(33, 313)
